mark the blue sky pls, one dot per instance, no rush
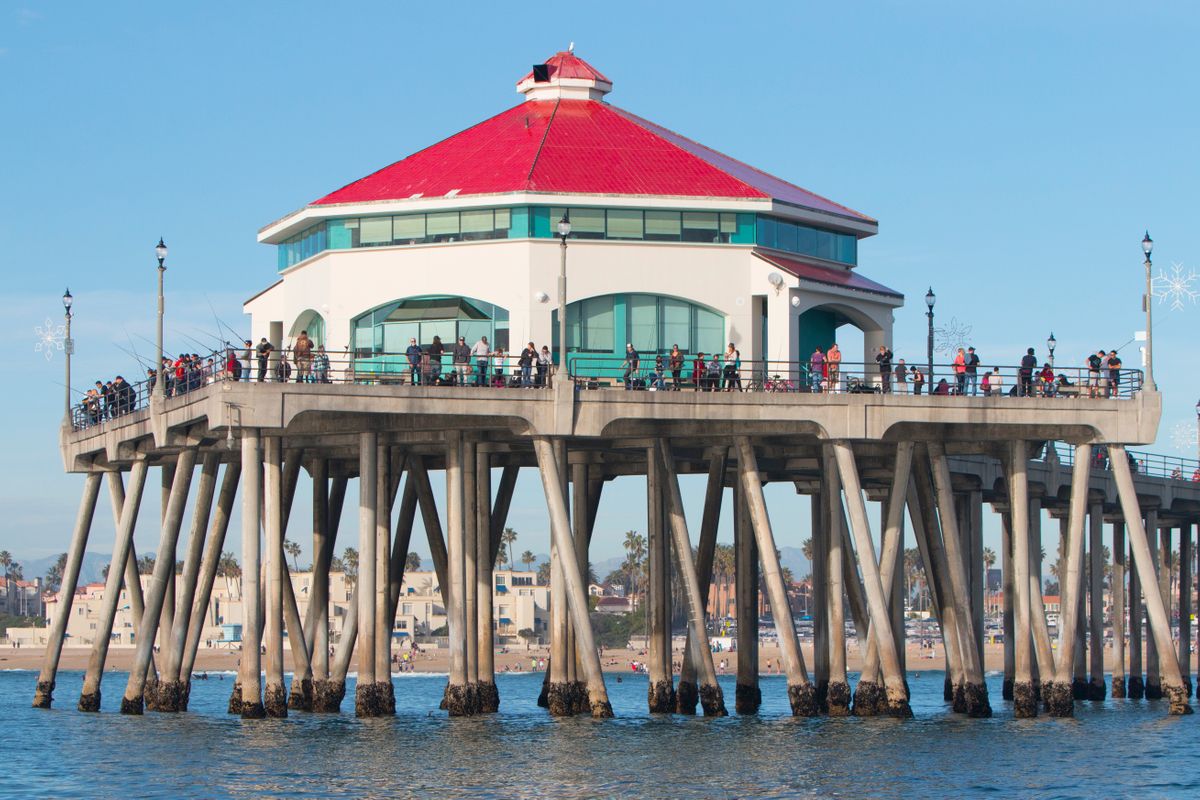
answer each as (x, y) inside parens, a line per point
(1013, 153)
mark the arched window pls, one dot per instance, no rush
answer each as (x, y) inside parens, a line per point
(651, 323)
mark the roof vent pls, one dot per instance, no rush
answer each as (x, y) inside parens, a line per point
(541, 73)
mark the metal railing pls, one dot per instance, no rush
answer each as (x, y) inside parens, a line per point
(501, 370)
(715, 374)
(495, 371)
(1155, 465)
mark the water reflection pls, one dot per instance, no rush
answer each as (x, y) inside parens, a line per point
(522, 753)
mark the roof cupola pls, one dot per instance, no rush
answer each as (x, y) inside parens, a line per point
(564, 76)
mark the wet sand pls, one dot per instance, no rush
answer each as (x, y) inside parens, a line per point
(515, 658)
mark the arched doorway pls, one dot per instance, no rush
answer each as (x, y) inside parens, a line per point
(312, 323)
(387, 329)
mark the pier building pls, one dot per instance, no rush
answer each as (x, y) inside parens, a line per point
(669, 243)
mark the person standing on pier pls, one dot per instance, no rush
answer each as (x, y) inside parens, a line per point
(884, 359)
(833, 365)
(480, 353)
(264, 351)
(462, 361)
(1025, 374)
(414, 353)
(302, 350)
(632, 359)
(675, 361)
(816, 368)
(960, 372)
(972, 371)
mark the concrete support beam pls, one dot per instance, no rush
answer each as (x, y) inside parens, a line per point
(89, 698)
(801, 693)
(251, 703)
(1007, 587)
(1096, 685)
(1024, 697)
(1056, 688)
(164, 569)
(488, 697)
(274, 690)
(214, 546)
(711, 698)
(1172, 678)
(837, 697)
(1185, 605)
(458, 698)
(172, 686)
(880, 617)
(748, 696)
(660, 693)
(1117, 609)
(43, 695)
(975, 689)
(577, 604)
(688, 694)
(1136, 679)
(365, 702)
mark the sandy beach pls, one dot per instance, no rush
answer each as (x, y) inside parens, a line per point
(511, 659)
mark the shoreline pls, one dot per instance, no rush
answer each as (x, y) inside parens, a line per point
(516, 660)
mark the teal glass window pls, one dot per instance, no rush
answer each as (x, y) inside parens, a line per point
(780, 234)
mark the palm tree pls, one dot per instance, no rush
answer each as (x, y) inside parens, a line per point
(807, 547)
(229, 569)
(145, 565)
(16, 575)
(527, 558)
(293, 550)
(413, 562)
(6, 561)
(350, 561)
(507, 537)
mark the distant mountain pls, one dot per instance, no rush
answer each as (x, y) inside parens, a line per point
(793, 558)
(91, 571)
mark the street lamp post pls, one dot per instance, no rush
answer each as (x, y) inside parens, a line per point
(1147, 247)
(160, 385)
(1198, 430)
(564, 230)
(68, 348)
(930, 299)
(1051, 343)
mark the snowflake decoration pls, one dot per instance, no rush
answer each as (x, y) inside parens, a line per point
(51, 338)
(1183, 436)
(947, 340)
(1177, 287)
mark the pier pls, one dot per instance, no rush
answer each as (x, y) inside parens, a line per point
(935, 464)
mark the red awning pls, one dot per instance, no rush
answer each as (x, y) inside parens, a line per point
(846, 279)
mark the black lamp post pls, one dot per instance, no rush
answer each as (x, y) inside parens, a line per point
(160, 386)
(68, 348)
(564, 230)
(1147, 300)
(930, 299)
(1051, 343)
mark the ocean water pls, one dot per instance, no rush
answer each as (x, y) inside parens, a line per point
(1115, 749)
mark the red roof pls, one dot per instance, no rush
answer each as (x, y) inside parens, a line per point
(846, 279)
(566, 64)
(574, 146)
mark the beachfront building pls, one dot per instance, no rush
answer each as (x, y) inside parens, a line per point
(519, 603)
(21, 598)
(671, 242)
